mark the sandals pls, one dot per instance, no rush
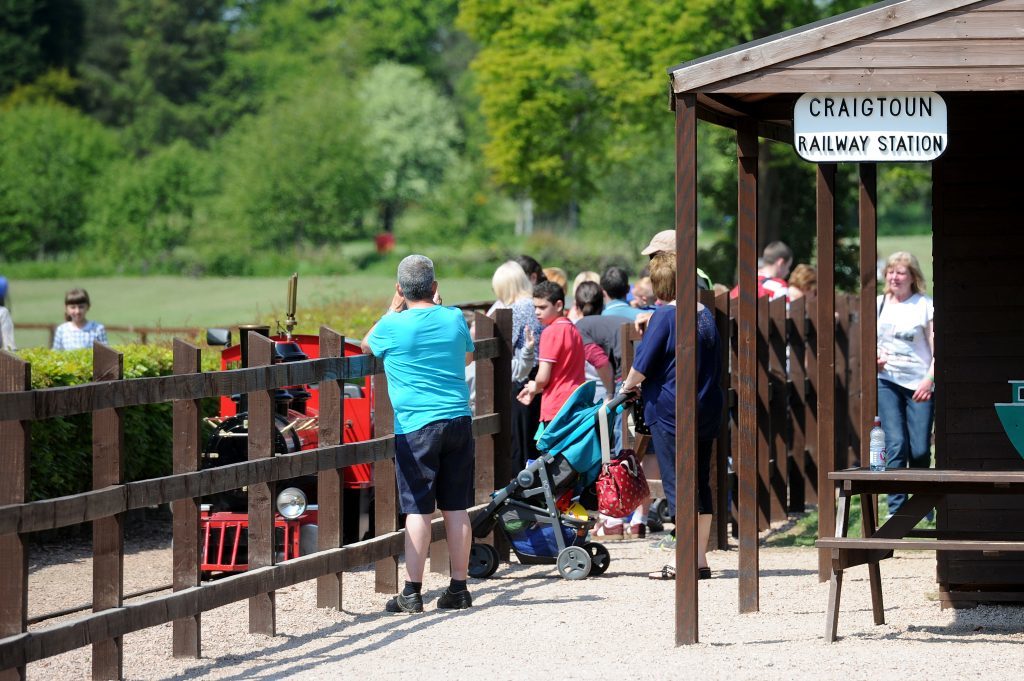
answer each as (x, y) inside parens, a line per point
(667, 572)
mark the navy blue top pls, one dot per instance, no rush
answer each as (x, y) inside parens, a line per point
(656, 360)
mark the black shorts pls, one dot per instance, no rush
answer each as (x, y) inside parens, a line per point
(435, 466)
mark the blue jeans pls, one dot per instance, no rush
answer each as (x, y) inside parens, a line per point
(908, 431)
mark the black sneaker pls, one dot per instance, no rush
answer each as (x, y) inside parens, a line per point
(403, 603)
(459, 600)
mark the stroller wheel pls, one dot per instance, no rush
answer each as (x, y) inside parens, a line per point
(599, 558)
(574, 562)
(483, 561)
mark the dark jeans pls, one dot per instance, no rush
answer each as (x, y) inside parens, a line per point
(664, 443)
(908, 431)
(525, 420)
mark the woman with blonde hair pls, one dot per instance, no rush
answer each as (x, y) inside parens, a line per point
(575, 314)
(802, 280)
(906, 366)
(513, 290)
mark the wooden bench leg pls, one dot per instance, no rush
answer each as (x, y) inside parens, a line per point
(835, 589)
(867, 507)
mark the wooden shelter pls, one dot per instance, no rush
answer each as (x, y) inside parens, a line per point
(971, 52)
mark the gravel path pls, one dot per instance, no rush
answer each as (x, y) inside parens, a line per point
(527, 621)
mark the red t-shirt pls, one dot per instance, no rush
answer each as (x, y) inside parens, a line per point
(772, 287)
(562, 346)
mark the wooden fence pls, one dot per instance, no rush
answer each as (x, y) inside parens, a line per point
(111, 497)
(785, 452)
(143, 334)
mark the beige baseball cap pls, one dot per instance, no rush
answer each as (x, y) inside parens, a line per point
(664, 240)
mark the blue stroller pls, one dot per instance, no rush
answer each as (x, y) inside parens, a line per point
(525, 510)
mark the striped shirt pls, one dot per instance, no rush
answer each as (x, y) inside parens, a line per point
(70, 337)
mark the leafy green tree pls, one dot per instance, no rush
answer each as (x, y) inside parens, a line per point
(299, 172)
(151, 66)
(142, 210)
(412, 132)
(36, 36)
(52, 157)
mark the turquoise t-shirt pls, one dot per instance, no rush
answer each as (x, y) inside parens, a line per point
(424, 352)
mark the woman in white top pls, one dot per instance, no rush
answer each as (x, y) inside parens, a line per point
(906, 366)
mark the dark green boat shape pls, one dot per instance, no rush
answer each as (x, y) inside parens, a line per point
(1011, 415)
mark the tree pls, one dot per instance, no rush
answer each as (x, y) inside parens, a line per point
(300, 172)
(52, 157)
(144, 209)
(36, 36)
(412, 132)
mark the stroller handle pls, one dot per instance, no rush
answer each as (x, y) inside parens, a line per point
(620, 399)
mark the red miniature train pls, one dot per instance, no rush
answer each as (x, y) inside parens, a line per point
(224, 520)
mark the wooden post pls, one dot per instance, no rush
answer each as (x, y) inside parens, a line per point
(854, 430)
(330, 487)
(107, 533)
(746, 367)
(385, 490)
(504, 466)
(186, 447)
(868, 288)
(15, 376)
(262, 611)
(777, 404)
(719, 537)
(811, 399)
(798, 482)
(686, 370)
(826, 185)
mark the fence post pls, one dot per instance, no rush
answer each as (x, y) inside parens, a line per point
(262, 613)
(798, 479)
(486, 466)
(15, 376)
(779, 396)
(107, 533)
(385, 492)
(187, 641)
(504, 466)
(764, 423)
(330, 483)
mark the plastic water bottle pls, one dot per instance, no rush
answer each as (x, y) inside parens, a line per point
(876, 446)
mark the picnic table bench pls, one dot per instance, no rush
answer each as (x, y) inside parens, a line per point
(927, 489)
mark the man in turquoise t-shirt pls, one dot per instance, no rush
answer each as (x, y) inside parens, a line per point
(424, 348)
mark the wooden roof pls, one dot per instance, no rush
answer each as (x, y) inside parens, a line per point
(893, 46)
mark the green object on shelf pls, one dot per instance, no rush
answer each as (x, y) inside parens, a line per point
(1011, 415)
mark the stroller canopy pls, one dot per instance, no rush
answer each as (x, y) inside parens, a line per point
(574, 432)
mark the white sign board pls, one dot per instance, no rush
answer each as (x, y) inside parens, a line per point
(878, 126)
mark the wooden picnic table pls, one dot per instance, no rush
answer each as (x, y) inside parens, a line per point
(927, 489)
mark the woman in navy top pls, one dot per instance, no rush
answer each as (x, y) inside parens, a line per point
(654, 370)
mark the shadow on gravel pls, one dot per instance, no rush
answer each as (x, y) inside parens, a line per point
(397, 627)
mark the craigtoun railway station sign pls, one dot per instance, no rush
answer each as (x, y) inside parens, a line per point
(877, 126)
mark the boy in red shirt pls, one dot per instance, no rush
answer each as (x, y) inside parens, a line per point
(560, 356)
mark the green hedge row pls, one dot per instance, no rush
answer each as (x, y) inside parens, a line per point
(61, 454)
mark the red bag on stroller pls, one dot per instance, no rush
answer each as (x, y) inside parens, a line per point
(621, 485)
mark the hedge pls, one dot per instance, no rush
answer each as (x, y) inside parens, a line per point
(61, 454)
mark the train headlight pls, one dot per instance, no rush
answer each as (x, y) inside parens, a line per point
(291, 503)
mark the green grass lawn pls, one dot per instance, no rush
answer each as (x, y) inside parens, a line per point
(183, 301)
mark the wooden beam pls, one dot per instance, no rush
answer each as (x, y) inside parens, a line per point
(686, 630)
(809, 39)
(799, 484)
(778, 405)
(262, 611)
(15, 442)
(186, 449)
(826, 184)
(330, 483)
(868, 218)
(107, 533)
(746, 374)
(764, 424)
(504, 465)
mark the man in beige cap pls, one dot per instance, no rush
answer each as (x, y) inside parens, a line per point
(665, 240)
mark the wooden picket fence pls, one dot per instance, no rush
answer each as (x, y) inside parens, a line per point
(111, 498)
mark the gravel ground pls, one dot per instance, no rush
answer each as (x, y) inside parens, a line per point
(527, 621)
